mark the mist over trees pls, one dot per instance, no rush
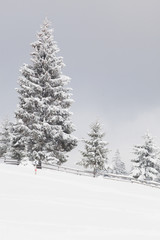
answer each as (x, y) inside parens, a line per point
(117, 166)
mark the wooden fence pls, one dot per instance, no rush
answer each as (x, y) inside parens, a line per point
(131, 179)
(67, 169)
(11, 161)
(106, 175)
(110, 176)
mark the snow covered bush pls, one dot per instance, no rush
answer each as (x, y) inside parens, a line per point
(147, 161)
(44, 129)
(95, 154)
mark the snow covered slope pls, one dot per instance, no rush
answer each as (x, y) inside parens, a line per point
(60, 206)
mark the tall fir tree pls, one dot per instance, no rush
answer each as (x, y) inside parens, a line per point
(43, 116)
(5, 137)
(117, 166)
(96, 150)
(147, 161)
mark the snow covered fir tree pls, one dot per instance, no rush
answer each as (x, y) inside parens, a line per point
(17, 148)
(5, 137)
(96, 150)
(43, 129)
(146, 164)
(117, 166)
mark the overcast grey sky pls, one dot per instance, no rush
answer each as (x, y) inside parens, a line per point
(111, 49)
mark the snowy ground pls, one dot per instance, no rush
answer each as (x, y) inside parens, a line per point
(53, 205)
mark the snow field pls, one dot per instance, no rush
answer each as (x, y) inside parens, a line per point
(62, 206)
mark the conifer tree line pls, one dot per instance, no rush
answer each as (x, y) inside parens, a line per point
(43, 129)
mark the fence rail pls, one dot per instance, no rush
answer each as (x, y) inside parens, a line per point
(11, 161)
(131, 179)
(123, 178)
(67, 169)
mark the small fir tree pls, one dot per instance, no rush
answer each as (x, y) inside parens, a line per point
(117, 166)
(17, 149)
(146, 162)
(43, 116)
(5, 137)
(95, 154)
